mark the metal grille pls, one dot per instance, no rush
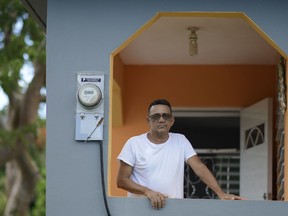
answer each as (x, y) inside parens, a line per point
(226, 169)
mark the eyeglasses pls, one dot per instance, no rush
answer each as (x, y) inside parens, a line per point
(157, 116)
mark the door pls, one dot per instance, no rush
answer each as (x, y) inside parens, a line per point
(256, 151)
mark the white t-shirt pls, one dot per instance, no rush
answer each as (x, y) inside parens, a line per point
(159, 167)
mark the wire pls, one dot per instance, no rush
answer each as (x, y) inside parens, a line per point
(103, 180)
(102, 167)
(98, 124)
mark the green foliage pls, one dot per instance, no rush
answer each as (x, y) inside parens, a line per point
(39, 208)
(11, 46)
(3, 198)
(11, 137)
(38, 155)
(20, 38)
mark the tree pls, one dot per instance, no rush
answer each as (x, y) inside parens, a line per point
(21, 42)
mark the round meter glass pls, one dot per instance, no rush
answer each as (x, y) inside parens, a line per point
(89, 95)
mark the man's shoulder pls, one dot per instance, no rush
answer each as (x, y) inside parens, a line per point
(178, 137)
(172, 134)
(137, 137)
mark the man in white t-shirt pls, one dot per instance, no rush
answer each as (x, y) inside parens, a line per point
(152, 164)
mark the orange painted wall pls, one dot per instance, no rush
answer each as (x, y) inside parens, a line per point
(185, 86)
(118, 71)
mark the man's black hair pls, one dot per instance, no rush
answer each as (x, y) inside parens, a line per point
(160, 102)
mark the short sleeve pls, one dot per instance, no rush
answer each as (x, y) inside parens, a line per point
(127, 154)
(188, 148)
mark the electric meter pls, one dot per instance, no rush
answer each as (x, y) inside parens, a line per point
(89, 106)
(89, 95)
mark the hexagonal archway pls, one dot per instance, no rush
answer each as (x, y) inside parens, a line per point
(154, 62)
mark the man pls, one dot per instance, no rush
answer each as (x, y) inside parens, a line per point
(152, 164)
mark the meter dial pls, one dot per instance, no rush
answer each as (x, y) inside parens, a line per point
(89, 95)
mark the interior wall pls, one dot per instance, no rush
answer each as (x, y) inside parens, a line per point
(118, 70)
(117, 86)
(185, 86)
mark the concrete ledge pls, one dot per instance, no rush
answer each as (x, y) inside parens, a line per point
(178, 207)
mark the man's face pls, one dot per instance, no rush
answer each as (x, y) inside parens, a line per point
(160, 119)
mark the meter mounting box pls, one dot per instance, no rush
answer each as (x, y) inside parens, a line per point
(89, 106)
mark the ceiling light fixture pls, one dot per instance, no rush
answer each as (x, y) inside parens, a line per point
(193, 40)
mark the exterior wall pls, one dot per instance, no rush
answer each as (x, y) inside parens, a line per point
(80, 37)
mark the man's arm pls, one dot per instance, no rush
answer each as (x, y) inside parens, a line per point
(123, 181)
(207, 177)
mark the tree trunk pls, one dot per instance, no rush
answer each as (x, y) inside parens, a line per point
(23, 174)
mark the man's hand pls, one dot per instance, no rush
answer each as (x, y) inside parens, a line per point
(124, 181)
(157, 199)
(226, 196)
